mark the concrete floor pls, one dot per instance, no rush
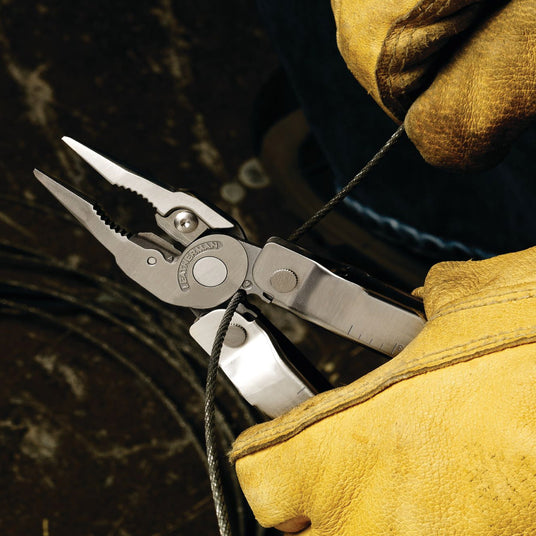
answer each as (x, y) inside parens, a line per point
(100, 386)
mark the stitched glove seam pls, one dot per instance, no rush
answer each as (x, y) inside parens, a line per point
(335, 404)
(508, 296)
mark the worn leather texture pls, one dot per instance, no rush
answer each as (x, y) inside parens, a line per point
(461, 72)
(439, 440)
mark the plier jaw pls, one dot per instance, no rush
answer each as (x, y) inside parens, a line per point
(178, 269)
(181, 215)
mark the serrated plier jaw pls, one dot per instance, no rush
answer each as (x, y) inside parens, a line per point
(194, 266)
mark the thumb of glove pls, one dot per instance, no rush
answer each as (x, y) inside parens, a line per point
(484, 97)
(461, 73)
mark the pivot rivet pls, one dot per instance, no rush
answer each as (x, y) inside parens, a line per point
(209, 271)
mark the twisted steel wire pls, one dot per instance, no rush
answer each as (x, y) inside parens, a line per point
(214, 469)
(339, 197)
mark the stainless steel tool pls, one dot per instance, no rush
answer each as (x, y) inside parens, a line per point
(203, 258)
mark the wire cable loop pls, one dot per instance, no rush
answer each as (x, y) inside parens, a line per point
(214, 470)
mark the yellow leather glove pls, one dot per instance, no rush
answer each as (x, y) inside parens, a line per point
(464, 71)
(441, 440)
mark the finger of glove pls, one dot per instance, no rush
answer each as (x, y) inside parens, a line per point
(484, 98)
(308, 475)
(277, 481)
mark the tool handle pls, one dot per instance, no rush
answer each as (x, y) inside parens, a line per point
(366, 311)
(264, 366)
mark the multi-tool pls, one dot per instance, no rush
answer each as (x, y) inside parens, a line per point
(203, 258)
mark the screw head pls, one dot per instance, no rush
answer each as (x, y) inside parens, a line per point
(186, 221)
(284, 280)
(236, 336)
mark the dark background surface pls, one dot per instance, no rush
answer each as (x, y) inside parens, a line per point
(101, 388)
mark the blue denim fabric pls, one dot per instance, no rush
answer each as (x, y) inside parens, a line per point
(438, 213)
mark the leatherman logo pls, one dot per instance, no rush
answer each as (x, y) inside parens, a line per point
(189, 256)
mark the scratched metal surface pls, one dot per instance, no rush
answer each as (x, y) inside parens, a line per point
(100, 386)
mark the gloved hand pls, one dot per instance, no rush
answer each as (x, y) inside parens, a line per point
(441, 440)
(462, 72)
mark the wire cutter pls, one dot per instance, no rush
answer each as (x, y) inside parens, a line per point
(203, 258)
